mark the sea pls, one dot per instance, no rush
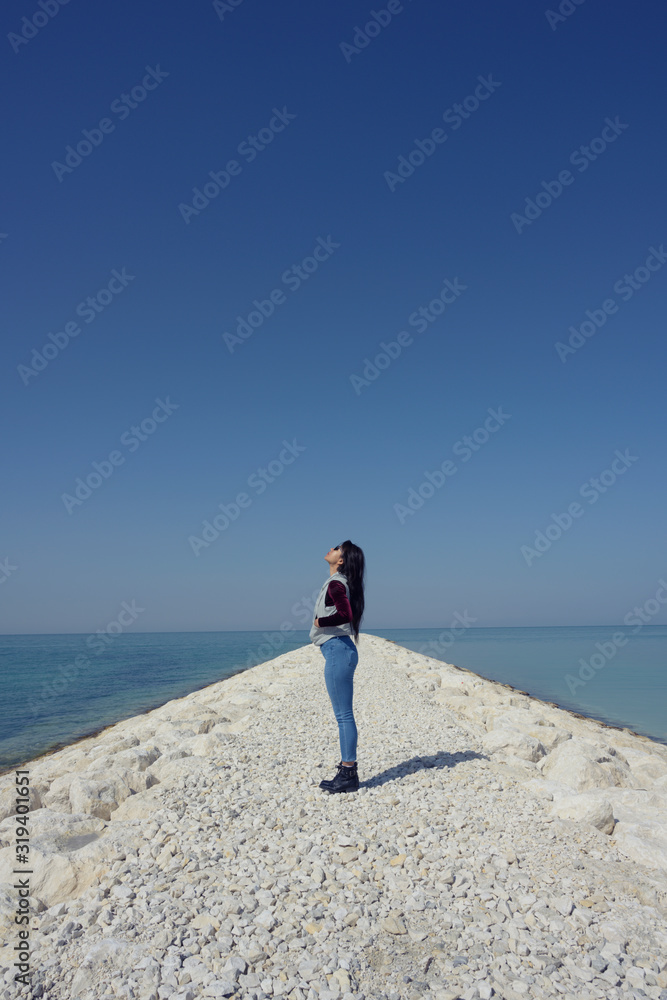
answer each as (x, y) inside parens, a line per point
(57, 689)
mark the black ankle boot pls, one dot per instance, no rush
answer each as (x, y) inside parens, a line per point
(328, 784)
(346, 780)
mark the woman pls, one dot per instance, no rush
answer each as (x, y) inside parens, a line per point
(338, 613)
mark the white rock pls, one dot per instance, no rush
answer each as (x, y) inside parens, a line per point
(582, 765)
(235, 967)
(84, 980)
(550, 736)
(57, 796)
(8, 799)
(130, 758)
(511, 741)
(139, 806)
(238, 838)
(190, 710)
(55, 878)
(459, 704)
(111, 950)
(98, 796)
(522, 719)
(168, 769)
(266, 920)
(209, 744)
(644, 843)
(590, 809)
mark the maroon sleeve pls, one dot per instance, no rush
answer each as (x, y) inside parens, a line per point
(336, 595)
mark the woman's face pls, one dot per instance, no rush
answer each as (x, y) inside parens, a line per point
(333, 555)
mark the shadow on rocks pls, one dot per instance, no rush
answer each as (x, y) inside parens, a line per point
(437, 760)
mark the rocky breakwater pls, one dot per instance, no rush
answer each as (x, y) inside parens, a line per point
(497, 847)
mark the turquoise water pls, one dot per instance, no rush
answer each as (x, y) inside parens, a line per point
(628, 687)
(59, 688)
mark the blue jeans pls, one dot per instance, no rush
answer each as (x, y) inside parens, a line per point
(340, 661)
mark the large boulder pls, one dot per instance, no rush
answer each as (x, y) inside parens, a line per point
(511, 741)
(169, 768)
(100, 793)
(639, 805)
(169, 735)
(9, 797)
(447, 691)
(55, 878)
(581, 765)
(641, 824)
(57, 795)
(586, 808)
(58, 832)
(550, 736)
(523, 719)
(644, 842)
(427, 680)
(139, 806)
(114, 742)
(67, 854)
(648, 768)
(136, 758)
(211, 744)
(530, 722)
(460, 704)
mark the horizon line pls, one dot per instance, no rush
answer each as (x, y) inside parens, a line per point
(408, 628)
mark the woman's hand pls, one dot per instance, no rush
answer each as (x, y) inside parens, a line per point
(317, 623)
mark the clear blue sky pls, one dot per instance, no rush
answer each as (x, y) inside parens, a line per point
(338, 121)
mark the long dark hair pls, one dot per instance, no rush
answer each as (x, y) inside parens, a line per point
(353, 569)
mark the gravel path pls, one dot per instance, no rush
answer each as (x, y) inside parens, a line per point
(229, 872)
